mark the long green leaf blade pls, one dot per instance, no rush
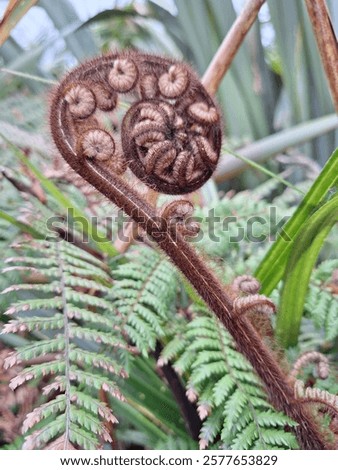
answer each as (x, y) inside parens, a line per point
(302, 259)
(21, 225)
(272, 268)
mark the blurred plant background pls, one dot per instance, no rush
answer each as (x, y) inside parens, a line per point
(280, 129)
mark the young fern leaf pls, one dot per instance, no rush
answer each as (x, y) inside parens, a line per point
(67, 288)
(229, 395)
(143, 293)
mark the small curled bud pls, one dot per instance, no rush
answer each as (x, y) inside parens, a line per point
(152, 113)
(316, 395)
(246, 284)
(178, 213)
(81, 101)
(203, 113)
(160, 156)
(312, 357)
(177, 210)
(148, 87)
(123, 75)
(166, 157)
(97, 144)
(254, 304)
(183, 169)
(201, 147)
(146, 133)
(150, 128)
(106, 99)
(118, 164)
(174, 83)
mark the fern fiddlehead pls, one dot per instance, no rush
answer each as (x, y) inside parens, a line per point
(171, 133)
(170, 139)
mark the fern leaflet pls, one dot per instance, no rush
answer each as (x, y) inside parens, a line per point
(231, 400)
(67, 283)
(143, 293)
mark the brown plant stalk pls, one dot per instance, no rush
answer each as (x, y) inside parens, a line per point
(230, 45)
(327, 43)
(171, 140)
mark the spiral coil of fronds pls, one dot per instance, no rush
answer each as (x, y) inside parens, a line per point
(311, 357)
(179, 213)
(171, 135)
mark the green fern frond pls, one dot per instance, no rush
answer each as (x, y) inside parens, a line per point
(321, 304)
(143, 293)
(68, 287)
(231, 400)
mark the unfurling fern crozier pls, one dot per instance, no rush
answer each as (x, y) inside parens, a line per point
(170, 136)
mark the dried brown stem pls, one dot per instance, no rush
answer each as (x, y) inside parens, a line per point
(327, 43)
(230, 45)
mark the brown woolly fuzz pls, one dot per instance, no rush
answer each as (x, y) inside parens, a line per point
(123, 75)
(246, 284)
(81, 101)
(178, 213)
(174, 83)
(203, 113)
(254, 303)
(117, 164)
(106, 99)
(149, 87)
(97, 144)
